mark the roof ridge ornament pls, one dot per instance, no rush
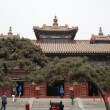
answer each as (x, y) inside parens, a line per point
(10, 31)
(55, 20)
(100, 31)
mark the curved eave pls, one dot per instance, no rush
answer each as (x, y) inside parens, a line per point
(71, 32)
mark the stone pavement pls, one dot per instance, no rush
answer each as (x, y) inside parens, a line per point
(44, 104)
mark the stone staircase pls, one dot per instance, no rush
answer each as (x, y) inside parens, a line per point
(44, 104)
(40, 104)
(91, 104)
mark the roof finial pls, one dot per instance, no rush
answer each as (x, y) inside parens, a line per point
(10, 31)
(55, 21)
(100, 32)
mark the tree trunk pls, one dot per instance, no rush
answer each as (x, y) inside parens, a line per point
(105, 99)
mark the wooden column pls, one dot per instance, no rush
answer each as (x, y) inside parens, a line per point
(66, 90)
(33, 90)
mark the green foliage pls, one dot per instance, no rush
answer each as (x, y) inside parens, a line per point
(35, 76)
(77, 69)
(5, 80)
(21, 53)
(62, 69)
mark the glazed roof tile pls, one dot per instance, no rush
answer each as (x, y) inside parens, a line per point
(74, 48)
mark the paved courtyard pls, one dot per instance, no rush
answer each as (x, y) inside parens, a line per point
(44, 104)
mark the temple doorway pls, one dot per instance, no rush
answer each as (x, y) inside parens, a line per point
(92, 89)
(54, 89)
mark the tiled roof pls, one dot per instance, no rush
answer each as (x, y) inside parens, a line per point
(52, 48)
(94, 37)
(9, 36)
(82, 41)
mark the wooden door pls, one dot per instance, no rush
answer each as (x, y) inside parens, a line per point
(27, 90)
(77, 91)
(84, 90)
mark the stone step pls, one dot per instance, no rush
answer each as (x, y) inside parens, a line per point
(93, 104)
(48, 109)
(19, 103)
(95, 109)
(45, 104)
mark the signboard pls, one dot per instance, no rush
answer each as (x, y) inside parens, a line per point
(74, 83)
(71, 88)
(37, 88)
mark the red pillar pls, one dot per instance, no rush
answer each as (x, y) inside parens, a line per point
(33, 91)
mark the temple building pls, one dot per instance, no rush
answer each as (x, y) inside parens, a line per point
(59, 41)
(10, 35)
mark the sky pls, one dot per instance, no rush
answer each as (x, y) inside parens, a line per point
(22, 15)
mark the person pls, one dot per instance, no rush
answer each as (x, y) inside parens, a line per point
(19, 90)
(13, 94)
(4, 101)
(61, 106)
(57, 91)
(72, 97)
(61, 91)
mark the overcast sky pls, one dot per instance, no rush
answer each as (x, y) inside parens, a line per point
(22, 15)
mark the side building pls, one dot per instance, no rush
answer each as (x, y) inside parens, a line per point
(10, 35)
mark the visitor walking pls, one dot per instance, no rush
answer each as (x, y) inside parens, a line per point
(19, 90)
(13, 94)
(57, 91)
(4, 101)
(72, 97)
(61, 91)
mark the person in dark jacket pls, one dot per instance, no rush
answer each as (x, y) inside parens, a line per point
(72, 97)
(4, 101)
(57, 91)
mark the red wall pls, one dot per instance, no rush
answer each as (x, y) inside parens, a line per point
(8, 91)
(80, 90)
